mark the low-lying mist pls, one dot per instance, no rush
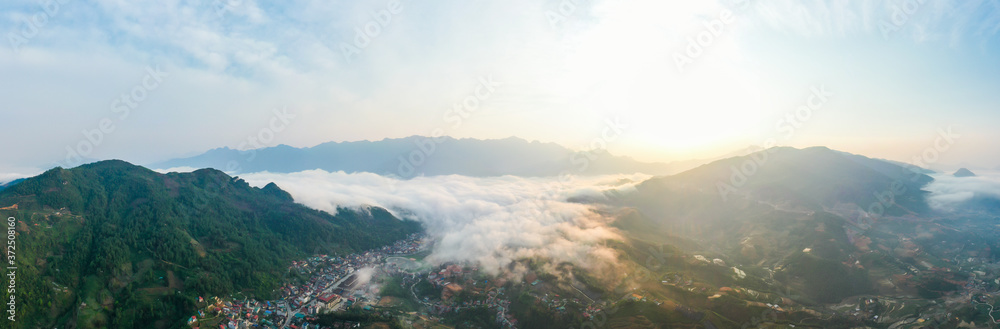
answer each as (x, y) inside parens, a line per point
(949, 192)
(492, 221)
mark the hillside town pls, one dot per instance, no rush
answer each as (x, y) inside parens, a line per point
(334, 283)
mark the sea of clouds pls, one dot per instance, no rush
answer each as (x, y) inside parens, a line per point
(948, 192)
(489, 221)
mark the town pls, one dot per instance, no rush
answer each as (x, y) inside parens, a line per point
(340, 283)
(334, 283)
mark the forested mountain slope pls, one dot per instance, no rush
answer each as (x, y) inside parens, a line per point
(111, 244)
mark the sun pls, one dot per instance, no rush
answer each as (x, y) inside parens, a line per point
(627, 62)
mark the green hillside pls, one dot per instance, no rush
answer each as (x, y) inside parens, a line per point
(111, 244)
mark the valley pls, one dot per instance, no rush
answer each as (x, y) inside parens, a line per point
(771, 254)
(578, 164)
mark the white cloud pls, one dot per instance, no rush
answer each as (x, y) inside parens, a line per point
(181, 169)
(231, 61)
(948, 191)
(8, 174)
(490, 221)
(918, 21)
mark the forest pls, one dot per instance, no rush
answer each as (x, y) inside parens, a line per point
(111, 244)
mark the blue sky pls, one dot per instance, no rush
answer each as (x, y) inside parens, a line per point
(898, 71)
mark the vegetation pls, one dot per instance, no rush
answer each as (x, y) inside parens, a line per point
(111, 244)
(356, 314)
(479, 317)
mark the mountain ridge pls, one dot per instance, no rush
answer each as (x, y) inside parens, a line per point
(419, 155)
(795, 173)
(802, 212)
(100, 230)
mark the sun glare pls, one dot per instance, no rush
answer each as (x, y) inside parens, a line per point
(676, 109)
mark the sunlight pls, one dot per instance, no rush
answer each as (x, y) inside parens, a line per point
(713, 101)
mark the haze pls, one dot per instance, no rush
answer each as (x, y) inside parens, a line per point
(684, 80)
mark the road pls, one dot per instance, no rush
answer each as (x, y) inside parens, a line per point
(991, 310)
(288, 316)
(415, 294)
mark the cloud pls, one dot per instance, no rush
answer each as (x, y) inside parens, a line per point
(239, 59)
(364, 276)
(491, 221)
(948, 191)
(919, 21)
(181, 169)
(230, 62)
(10, 174)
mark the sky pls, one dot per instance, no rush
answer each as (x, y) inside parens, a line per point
(147, 81)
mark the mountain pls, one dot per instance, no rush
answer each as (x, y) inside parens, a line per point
(805, 237)
(716, 197)
(416, 155)
(805, 179)
(800, 213)
(963, 172)
(909, 166)
(10, 183)
(111, 244)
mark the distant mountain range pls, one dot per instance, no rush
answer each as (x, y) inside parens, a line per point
(10, 183)
(414, 156)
